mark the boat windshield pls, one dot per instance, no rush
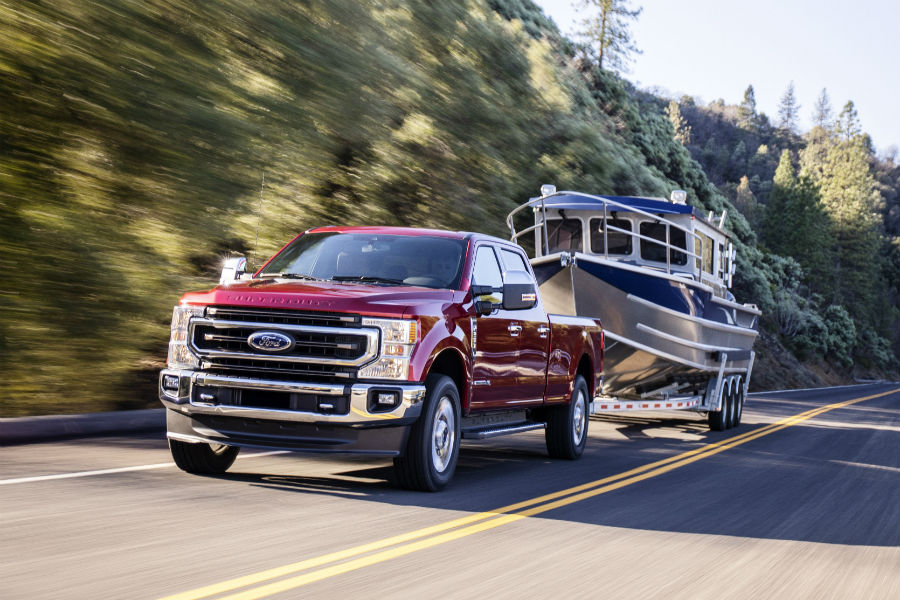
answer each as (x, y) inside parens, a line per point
(378, 258)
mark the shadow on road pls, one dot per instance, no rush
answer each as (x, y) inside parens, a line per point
(819, 481)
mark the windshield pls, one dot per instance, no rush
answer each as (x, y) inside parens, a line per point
(387, 259)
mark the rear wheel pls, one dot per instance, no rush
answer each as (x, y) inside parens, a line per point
(730, 394)
(567, 426)
(203, 459)
(738, 401)
(718, 419)
(432, 449)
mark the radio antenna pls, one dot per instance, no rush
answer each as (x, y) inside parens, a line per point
(259, 217)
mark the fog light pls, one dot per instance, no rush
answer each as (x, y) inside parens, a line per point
(387, 398)
(384, 400)
(170, 382)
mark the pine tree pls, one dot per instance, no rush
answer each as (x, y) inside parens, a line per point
(847, 126)
(607, 34)
(850, 196)
(679, 124)
(822, 112)
(747, 109)
(788, 110)
(797, 226)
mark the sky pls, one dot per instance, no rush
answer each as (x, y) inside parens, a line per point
(712, 49)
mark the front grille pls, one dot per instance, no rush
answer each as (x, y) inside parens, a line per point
(307, 344)
(272, 400)
(326, 346)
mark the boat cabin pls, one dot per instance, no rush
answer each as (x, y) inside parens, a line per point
(650, 233)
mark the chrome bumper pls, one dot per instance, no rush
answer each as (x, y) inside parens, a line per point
(181, 399)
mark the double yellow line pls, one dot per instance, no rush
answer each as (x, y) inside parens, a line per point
(351, 559)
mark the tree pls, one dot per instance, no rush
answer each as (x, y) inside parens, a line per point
(747, 109)
(847, 126)
(606, 32)
(679, 124)
(822, 112)
(788, 110)
(796, 224)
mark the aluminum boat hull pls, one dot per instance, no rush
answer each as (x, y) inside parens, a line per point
(662, 330)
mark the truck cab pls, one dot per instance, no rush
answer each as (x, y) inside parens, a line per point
(378, 340)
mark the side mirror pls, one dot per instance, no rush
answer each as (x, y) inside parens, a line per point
(519, 292)
(484, 307)
(233, 269)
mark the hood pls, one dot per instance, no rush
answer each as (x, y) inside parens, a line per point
(374, 300)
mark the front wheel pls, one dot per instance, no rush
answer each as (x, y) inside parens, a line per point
(567, 426)
(433, 446)
(203, 459)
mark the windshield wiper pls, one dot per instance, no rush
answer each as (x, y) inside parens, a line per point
(291, 276)
(367, 279)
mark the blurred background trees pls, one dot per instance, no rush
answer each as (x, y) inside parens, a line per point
(135, 139)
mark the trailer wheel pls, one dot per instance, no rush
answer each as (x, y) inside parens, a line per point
(203, 459)
(731, 397)
(567, 426)
(718, 419)
(738, 401)
(432, 449)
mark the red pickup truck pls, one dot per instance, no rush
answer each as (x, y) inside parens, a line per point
(379, 340)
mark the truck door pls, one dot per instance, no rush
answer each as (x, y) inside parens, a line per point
(534, 340)
(497, 340)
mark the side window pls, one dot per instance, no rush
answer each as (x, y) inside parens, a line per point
(513, 261)
(564, 235)
(650, 250)
(619, 243)
(486, 271)
(657, 251)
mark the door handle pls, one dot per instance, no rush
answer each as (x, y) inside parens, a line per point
(543, 330)
(514, 330)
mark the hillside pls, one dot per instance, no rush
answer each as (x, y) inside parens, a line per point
(142, 143)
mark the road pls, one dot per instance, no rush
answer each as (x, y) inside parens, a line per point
(658, 507)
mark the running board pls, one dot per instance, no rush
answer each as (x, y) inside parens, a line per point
(483, 433)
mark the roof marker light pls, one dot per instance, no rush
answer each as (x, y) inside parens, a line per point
(678, 196)
(548, 190)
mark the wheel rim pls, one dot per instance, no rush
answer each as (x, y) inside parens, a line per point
(443, 430)
(579, 416)
(218, 449)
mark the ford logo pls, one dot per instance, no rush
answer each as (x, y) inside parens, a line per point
(270, 341)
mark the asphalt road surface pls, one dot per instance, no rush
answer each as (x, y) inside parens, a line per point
(658, 507)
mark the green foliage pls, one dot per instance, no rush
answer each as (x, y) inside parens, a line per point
(143, 142)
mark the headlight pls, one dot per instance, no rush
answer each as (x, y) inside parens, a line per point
(180, 355)
(398, 338)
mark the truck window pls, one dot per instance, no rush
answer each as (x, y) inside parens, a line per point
(513, 261)
(564, 235)
(486, 271)
(421, 260)
(619, 243)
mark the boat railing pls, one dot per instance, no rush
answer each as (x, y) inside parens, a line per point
(540, 205)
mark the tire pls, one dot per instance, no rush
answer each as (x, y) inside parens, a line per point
(432, 449)
(718, 420)
(567, 426)
(203, 459)
(732, 401)
(738, 401)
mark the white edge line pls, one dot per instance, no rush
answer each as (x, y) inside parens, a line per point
(118, 470)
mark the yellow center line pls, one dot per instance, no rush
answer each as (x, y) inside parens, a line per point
(381, 550)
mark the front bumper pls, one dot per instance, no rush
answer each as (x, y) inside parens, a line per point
(323, 417)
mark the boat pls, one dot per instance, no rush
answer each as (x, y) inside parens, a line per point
(657, 274)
